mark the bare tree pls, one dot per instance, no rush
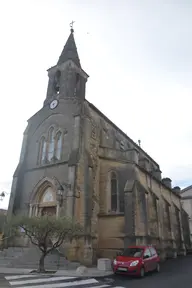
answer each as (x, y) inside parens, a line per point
(47, 232)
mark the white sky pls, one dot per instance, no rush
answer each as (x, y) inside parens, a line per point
(138, 54)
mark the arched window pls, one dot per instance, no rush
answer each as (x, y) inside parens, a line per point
(50, 144)
(113, 192)
(47, 195)
(77, 83)
(57, 81)
(42, 150)
(58, 146)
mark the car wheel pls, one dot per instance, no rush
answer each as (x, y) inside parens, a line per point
(157, 268)
(142, 272)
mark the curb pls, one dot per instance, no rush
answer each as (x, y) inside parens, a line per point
(47, 272)
(86, 275)
(15, 272)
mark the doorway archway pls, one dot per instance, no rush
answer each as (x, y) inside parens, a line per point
(47, 203)
(43, 198)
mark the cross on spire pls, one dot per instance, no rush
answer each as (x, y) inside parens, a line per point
(71, 26)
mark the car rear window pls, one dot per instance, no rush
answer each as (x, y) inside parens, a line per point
(132, 252)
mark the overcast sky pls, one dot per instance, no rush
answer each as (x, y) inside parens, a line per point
(138, 54)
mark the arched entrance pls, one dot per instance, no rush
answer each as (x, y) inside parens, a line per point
(44, 200)
(47, 203)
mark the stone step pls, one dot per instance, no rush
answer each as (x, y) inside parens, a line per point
(17, 248)
(5, 260)
(25, 260)
(29, 265)
(5, 257)
(21, 257)
(37, 256)
(35, 266)
(15, 251)
(4, 263)
(12, 253)
(35, 259)
(33, 255)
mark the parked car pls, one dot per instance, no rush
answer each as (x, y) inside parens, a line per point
(137, 260)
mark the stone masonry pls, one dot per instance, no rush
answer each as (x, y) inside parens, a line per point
(75, 161)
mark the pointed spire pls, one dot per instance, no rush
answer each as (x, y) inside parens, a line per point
(70, 50)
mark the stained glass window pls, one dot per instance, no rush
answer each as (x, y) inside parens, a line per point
(48, 195)
(58, 147)
(51, 144)
(42, 150)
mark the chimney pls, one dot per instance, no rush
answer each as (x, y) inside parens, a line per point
(157, 174)
(167, 182)
(177, 189)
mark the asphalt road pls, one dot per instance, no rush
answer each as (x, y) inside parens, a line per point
(175, 273)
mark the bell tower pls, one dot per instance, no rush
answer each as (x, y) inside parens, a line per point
(52, 139)
(67, 80)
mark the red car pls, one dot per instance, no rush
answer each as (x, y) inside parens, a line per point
(137, 260)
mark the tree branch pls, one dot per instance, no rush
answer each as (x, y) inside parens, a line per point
(58, 242)
(31, 235)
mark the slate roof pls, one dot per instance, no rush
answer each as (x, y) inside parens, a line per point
(70, 51)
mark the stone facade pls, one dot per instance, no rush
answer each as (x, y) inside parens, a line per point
(186, 199)
(74, 161)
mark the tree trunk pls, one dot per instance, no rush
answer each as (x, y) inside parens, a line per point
(42, 264)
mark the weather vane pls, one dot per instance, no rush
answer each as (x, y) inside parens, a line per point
(71, 25)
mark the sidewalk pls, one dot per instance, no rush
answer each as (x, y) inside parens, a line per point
(90, 272)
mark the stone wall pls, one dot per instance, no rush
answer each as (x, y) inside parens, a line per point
(186, 229)
(166, 231)
(93, 174)
(110, 150)
(112, 137)
(111, 235)
(153, 223)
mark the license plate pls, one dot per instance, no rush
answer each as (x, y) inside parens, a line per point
(122, 269)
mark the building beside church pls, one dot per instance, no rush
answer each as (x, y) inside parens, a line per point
(75, 161)
(186, 200)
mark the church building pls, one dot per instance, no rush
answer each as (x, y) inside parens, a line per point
(76, 162)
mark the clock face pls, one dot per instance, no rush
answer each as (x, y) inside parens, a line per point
(53, 104)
